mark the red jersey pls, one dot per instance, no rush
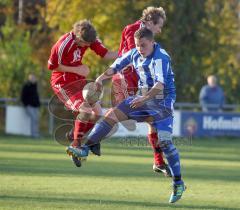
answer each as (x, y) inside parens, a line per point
(68, 53)
(127, 39)
(128, 79)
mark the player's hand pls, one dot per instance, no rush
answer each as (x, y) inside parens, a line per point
(98, 85)
(99, 81)
(138, 101)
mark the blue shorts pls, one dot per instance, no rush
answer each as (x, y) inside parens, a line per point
(160, 112)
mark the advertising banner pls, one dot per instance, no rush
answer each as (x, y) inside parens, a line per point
(210, 124)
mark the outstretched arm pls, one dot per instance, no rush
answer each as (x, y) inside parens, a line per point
(106, 75)
(118, 64)
(110, 55)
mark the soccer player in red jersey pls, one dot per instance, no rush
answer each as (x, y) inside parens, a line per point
(68, 73)
(125, 83)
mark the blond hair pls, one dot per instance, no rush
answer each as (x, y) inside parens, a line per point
(85, 30)
(153, 14)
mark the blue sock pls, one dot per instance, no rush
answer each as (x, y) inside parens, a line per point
(99, 131)
(171, 153)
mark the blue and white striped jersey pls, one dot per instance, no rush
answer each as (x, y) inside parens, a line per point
(152, 69)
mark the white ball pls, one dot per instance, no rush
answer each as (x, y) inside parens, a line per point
(90, 93)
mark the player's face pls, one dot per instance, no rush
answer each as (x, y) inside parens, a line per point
(155, 28)
(144, 46)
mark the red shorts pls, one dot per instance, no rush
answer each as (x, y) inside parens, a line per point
(124, 85)
(70, 92)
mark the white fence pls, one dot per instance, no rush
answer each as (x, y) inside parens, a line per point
(17, 122)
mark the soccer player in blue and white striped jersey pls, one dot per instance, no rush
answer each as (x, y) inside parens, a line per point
(153, 103)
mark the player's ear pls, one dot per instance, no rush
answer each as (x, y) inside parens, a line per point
(151, 25)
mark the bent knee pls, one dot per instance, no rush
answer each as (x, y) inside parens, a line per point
(164, 135)
(151, 129)
(114, 115)
(110, 117)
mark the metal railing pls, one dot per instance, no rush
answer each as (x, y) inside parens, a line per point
(194, 106)
(52, 121)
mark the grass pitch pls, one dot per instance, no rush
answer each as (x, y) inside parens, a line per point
(37, 174)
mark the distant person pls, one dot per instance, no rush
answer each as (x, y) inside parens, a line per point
(31, 102)
(211, 95)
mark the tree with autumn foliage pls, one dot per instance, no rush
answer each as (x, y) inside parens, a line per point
(202, 38)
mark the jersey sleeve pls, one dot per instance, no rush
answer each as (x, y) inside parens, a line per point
(129, 36)
(122, 43)
(127, 40)
(122, 62)
(58, 50)
(99, 48)
(53, 59)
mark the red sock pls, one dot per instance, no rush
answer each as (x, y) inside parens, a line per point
(158, 155)
(80, 129)
(88, 127)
